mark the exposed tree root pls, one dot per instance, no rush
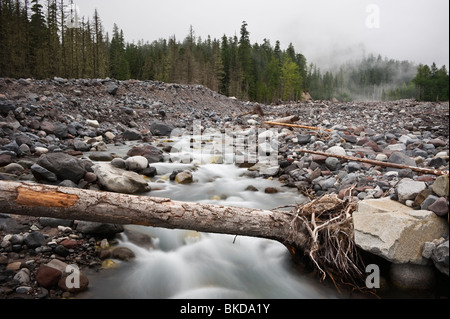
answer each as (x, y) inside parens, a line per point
(331, 247)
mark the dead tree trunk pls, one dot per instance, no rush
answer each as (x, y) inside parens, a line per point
(78, 204)
(422, 170)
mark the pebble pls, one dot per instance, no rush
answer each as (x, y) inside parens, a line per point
(439, 207)
(184, 177)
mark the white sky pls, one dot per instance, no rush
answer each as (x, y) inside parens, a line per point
(322, 30)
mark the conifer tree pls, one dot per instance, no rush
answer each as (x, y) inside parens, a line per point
(39, 57)
(245, 58)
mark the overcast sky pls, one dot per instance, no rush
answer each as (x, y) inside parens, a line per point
(413, 30)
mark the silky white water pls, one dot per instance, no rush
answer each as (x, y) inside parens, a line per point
(188, 265)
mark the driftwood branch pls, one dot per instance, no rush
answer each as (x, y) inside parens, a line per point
(285, 120)
(79, 204)
(298, 126)
(379, 163)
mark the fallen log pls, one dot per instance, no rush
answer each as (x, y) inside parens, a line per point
(321, 229)
(98, 206)
(379, 163)
(298, 126)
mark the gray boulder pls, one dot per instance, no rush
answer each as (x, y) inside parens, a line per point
(131, 135)
(440, 257)
(409, 189)
(63, 165)
(150, 152)
(118, 180)
(34, 239)
(400, 158)
(136, 163)
(43, 174)
(94, 228)
(112, 88)
(395, 231)
(161, 129)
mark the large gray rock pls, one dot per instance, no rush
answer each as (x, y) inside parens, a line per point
(400, 158)
(394, 231)
(184, 177)
(63, 165)
(440, 257)
(34, 239)
(131, 135)
(112, 88)
(409, 189)
(438, 252)
(161, 129)
(95, 228)
(136, 163)
(43, 174)
(441, 186)
(150, 152)
(118, 180)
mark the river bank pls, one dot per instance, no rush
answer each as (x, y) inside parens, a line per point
(62, 132)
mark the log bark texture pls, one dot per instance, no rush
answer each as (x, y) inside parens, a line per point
(78, 204)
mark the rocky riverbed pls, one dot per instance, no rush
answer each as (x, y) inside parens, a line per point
(59, 132)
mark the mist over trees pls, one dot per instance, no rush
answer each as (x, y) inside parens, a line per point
(46, 38)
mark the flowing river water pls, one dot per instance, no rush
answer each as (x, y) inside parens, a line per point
(186, 264)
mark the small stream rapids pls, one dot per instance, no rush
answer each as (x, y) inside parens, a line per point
(184, 264)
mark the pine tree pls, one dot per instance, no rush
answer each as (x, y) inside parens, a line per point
(291, 81)
(226, 62)
(39, 57)
(245, 58)
(118, 65)
(53, 45)
(100, 49)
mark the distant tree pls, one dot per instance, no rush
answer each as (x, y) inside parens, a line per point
(100, 54)
(53, 44)
(432, 83)
(118, 65)
(225, 53)
(39, 57)
(291, 80)
(245, 58)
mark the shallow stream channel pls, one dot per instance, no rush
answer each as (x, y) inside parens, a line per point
(184, 264)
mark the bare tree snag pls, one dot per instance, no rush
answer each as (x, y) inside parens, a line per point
(379, 163)
(79, 204)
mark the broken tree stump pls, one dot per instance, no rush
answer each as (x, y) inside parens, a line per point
(98, 206)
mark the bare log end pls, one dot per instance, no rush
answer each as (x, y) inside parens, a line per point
(30, 198)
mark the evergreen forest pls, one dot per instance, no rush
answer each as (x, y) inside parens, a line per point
(46, 38)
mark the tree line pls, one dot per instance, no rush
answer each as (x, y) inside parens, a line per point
(50, 39)
(43, 42)
(432, 83)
